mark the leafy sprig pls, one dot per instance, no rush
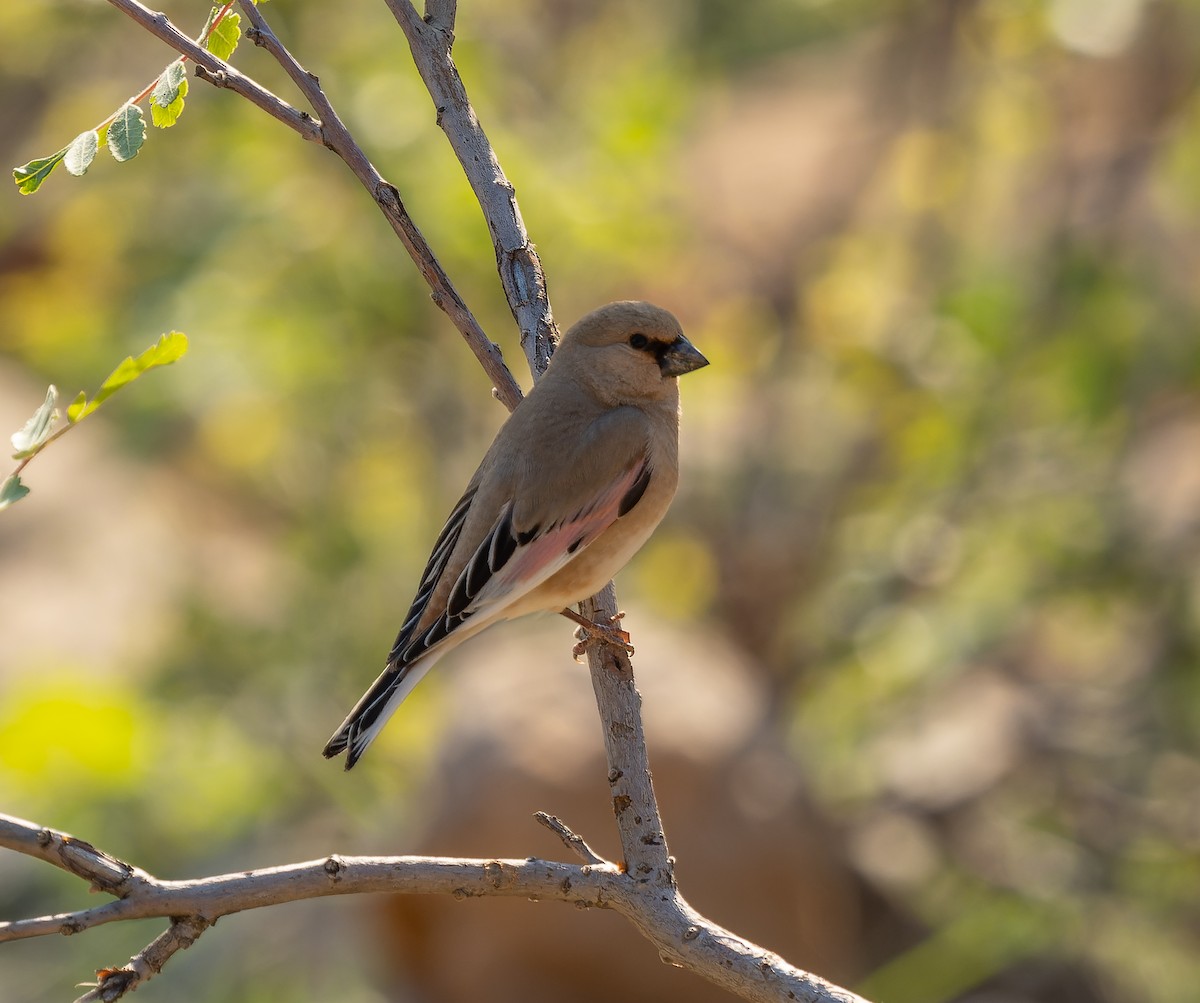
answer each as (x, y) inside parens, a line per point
(124, 131)
(40, 431)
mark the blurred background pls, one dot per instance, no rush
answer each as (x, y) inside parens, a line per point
(919, 640)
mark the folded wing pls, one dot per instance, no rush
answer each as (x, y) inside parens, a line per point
(504, 567)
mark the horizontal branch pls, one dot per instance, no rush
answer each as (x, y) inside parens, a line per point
(213, 897)
(681, 934)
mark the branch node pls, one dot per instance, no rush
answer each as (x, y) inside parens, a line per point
(334, 866)
(218, 79)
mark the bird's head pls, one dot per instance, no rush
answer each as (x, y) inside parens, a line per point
(629, 351)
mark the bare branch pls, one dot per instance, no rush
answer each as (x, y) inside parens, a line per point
(213, 897)
(440, 14)
(519, 266)
(682, 935)
(572, 841)
(116, 982)
(338, 138)
(620, 705)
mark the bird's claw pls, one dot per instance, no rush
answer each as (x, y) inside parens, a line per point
(591, 633)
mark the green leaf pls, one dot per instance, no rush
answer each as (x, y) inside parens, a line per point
(12, 490)
(37, 430)
(166, 88)
(75, 409)
(82, 152)
(126, 133)
(29, 177)
(169, 348)
(224, 37)
(166, 100)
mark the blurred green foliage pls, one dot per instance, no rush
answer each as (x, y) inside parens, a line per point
(942, 481)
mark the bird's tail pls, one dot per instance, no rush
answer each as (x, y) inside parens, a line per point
(379, 703)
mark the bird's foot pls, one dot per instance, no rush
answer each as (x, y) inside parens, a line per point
(590, 633)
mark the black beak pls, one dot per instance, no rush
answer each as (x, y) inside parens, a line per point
(680, 357)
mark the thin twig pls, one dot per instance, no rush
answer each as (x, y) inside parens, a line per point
(571, 840)
(219, 72)
(113, 983)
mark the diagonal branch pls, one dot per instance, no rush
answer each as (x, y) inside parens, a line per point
(219, 72)
(113, 983)
(329, 130)
(430, 40)
(339, 139)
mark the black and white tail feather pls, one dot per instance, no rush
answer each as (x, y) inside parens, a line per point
(411, 656)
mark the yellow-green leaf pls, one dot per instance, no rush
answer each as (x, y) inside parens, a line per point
(166, 100)
(224, 37)
(30, 176)
(170, 347)
(77, 408)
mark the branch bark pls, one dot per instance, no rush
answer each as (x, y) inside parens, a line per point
(643, 887)
(430, 40)
(194, 905)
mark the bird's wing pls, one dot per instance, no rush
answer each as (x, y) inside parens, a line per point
(508, 563)
(504, 566)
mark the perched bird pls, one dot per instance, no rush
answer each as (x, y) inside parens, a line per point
(575, 482)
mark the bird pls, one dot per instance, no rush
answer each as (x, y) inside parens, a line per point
(576, 480)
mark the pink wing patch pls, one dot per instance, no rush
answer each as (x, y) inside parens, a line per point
(554, 546)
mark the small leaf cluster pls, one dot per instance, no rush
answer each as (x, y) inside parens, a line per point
(124, 131)
(39, 431)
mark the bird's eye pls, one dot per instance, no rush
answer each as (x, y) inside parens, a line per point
(638, 341)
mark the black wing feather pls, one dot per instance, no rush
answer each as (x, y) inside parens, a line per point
(442, 549)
